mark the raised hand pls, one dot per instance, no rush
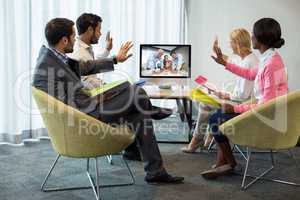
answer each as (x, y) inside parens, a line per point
(216, 44)
(109, 41)
(123, 55)
(219, 56)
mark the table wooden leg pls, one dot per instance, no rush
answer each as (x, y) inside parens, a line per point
(181, 111)
(188, 112)
(187, 108)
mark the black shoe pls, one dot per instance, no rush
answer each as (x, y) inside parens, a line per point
(163, 178)
(131, 155)
(160, 113)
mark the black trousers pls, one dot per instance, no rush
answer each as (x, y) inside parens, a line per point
(134, 108)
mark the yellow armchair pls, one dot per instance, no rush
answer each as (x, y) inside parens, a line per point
(78, 135)
(272, 126)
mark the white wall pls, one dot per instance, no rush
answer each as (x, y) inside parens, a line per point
(207, 18)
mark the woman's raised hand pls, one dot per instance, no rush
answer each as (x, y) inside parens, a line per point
(219, 58)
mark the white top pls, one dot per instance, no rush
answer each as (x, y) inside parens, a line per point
(262, 62)
(84, 52)
(243, 88)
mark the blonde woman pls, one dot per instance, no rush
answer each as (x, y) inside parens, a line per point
(240, 43)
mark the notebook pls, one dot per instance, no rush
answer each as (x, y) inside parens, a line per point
(201, 80)
(108, 88)
(197, 94)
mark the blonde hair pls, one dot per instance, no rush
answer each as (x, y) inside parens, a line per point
(242, 39)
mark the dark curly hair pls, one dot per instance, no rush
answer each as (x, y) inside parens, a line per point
(267, 31)
(58, 28)
(86, 20)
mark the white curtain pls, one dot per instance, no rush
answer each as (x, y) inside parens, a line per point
(23, 22)
(14, 61)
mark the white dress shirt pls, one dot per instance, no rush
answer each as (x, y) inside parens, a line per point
(84, 52)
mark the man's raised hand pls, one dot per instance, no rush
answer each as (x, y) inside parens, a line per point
(123, 54)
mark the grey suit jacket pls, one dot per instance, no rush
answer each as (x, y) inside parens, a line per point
(63, 81)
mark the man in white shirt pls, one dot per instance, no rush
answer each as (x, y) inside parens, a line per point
(89, 31)
(84, 50)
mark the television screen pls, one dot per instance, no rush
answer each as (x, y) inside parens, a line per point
(161, 61)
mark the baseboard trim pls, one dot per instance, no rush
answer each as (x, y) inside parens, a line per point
(6, 138)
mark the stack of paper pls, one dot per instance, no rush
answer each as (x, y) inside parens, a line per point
(103, 88)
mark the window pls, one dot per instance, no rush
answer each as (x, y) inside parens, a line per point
(22, 35)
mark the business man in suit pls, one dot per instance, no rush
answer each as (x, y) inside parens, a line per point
(60, 77)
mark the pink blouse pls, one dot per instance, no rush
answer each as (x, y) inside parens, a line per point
(270, 79)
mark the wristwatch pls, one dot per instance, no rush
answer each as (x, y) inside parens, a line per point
(115, 60)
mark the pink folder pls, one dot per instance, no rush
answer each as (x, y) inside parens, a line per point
(201, 80)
